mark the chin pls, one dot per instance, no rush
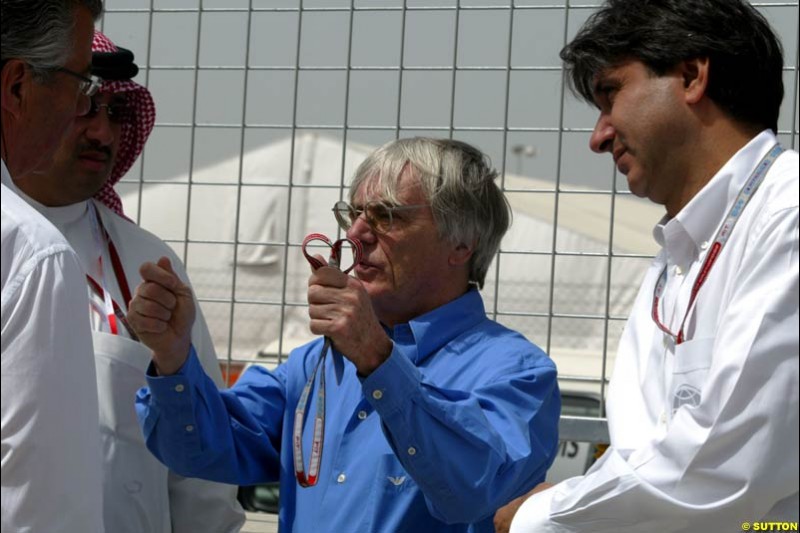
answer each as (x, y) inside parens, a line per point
(376, 290)
(637, 186)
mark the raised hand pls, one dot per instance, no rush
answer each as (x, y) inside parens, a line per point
(340, 308)
(162, 313)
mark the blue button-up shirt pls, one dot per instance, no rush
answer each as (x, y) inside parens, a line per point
(458, 421)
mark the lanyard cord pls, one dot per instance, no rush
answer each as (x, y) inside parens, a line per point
(319, 425)
(720, 239)
(113, 311)
(300, 411)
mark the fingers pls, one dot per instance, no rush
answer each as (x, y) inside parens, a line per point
(156, 293)
(319, 327)
(160, 273)
(151, 308)
(142, 324)
(320, 295)
(155, 298)
(163, 274)
(328, 277)
(165, 263)
(159, 306)
(316, 261)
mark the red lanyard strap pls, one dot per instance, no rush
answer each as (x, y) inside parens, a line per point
(319, 426)
(301, 409)
(336, 251)
(720, 239)
(119, 272)
(113, 310)
(118, 314)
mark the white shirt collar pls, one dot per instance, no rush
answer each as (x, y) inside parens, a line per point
(57, 215)
(692, 229)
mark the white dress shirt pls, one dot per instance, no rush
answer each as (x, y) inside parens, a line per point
(140, 493)
(704, 434)
(51, 479)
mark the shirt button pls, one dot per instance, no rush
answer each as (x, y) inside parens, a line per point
(662, 419)
(704, 245)
(341, 478)
(179, 387)
(678, 271)
(412, 451)
(377, 394)
(189, 428)
(362, 415)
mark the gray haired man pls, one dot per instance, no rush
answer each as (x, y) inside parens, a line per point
(441, 416)
(50, 440)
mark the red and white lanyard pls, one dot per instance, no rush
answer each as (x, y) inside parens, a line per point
(319, 426)
(112, 312)
(300, 410)
(721, 238)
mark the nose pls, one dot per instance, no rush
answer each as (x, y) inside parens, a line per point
(99, 127)
(602, 139)
(361, 230)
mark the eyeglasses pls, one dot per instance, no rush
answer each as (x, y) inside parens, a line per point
(378, 215)
(117, 112)
(88, 85)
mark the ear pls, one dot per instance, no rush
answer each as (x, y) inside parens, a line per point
(460, 255)
(695, 78)
(13, 80)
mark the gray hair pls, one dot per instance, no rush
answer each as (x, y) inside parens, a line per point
(39, 32)
(458, 182)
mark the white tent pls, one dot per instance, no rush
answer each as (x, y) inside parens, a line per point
(265, 212)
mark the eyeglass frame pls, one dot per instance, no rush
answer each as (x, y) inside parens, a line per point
(345, 226)
(115, 117)
(89, 84)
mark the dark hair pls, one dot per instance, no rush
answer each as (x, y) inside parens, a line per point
(745, 56)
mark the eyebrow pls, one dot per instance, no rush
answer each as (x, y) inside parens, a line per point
(604, 83)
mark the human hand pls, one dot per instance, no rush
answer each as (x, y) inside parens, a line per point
(340, 309)
(162, 313)
(504, 515)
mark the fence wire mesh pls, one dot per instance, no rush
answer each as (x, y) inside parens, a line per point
(265, 108)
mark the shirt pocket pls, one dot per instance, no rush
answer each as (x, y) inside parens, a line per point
(689, 373)
(395, 501)
(120, 364)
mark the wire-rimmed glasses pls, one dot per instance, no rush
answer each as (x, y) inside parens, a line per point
(378, 215)
(117, 112)
(89, 85)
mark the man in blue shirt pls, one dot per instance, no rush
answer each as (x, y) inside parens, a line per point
(441, 416)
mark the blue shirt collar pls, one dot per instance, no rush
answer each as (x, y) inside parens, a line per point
(427, 333)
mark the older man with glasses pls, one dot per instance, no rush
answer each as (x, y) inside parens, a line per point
(77, 194)
(441, 416)
(50, 439)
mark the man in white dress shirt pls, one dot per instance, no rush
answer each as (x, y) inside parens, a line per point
(51, 479)
(703, 402)
(76, 193)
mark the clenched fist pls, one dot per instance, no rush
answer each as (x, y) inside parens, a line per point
(340, 308)
(162, 313)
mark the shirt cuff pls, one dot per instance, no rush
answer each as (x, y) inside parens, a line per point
(390, 385)
(191, 370)
(173, 397)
